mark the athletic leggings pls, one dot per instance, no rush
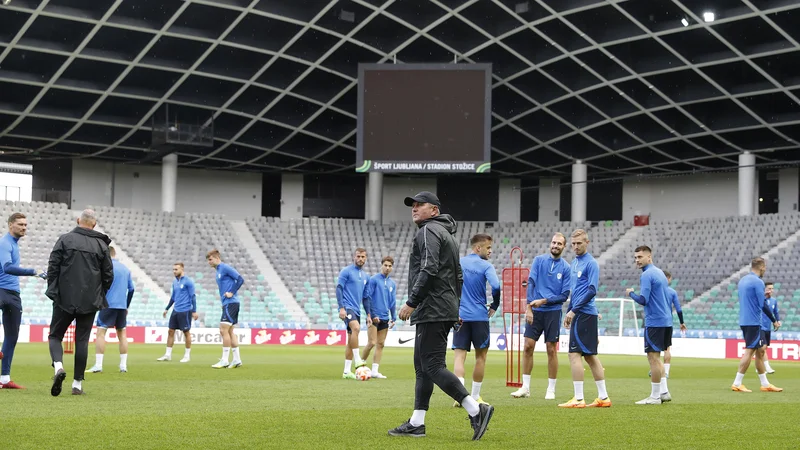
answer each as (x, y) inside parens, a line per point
(83, 329)
(430, 365)
(11, 306)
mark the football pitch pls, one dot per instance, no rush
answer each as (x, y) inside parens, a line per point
(295, 398)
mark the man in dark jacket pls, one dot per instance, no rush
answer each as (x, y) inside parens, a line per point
(435, 280)
(79, 274)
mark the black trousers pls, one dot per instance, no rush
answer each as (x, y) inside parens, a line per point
(430, 365)
(83, 330)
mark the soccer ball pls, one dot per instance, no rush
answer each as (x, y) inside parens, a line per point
(363, 373)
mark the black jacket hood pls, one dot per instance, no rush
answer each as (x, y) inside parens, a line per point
(92, 233)
(445, 220)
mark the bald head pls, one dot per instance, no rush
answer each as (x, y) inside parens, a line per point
(88, 219)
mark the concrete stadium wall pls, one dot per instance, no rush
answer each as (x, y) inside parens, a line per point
(788, 190)
(395, 189)
(237, 195)
(684, 197)
(509, 200)
(291, 196)
(549, 199)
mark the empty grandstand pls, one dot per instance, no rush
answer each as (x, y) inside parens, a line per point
(157, 240)
(705, 256)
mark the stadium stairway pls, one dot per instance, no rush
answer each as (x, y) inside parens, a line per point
(240, 229)
(633, 234)
(136, 272)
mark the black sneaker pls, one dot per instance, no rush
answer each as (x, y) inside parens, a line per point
(58, 379)
(481, 420)
(407, 429)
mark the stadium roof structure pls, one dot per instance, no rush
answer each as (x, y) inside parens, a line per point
(629, 87)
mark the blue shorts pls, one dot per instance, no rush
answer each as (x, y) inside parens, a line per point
(583, 334)
(112, 318)
(180, 320)
(657, 339)
(351, 315)
(547, 322)
(382, 325)
(230, 313)
(753, 336)
(475, 333)
(767, 335)
(10, 299)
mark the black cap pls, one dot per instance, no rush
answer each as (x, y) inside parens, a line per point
(423, 197)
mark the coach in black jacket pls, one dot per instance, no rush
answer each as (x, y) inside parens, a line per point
(435, 282)
(79, 274)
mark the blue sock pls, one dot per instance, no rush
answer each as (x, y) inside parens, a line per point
(11, 320)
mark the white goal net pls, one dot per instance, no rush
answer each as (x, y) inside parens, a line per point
(618, 317)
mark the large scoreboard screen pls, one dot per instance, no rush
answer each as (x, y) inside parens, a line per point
(418, 118)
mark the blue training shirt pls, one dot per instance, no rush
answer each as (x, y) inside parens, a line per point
(585, 279)
(673, 297)
(751, 300)
(477, 272)
(772, 304)
(183, 296)
(228, 280)
(550, 279)
(382, 294)
(10, 271)
(654, 297)
(352, 281)
(121, 288)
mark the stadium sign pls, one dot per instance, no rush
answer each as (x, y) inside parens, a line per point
(777, 350)
(424, 166)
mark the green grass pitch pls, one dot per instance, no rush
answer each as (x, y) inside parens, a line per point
(294, 398)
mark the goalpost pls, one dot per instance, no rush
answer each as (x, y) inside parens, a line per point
(617, 317)
(622, 316)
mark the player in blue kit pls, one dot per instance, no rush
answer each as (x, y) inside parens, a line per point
(473, 313)
(658, 316)
(184, 309)
(581, 319)
(549, 285)
(382, 293)
(752, 305)
(229, 281)
(676, 303)
(349, 297)
(766, 325)
(119, 298)
(10, 301)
